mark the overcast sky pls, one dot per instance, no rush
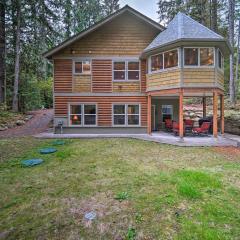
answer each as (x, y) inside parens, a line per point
(147, 7)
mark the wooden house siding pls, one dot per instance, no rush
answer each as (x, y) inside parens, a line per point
(63, 75)
(104, 106)
(199, 77)
(101, 76)
(126, 35)
(82, 83)
(220, 78)
(126, 86)
(143, 75)
(163, 80)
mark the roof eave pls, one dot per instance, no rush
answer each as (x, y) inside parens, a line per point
(48, 54)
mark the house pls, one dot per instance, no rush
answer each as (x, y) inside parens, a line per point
(127, 74)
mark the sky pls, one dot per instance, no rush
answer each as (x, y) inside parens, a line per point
(147, 7)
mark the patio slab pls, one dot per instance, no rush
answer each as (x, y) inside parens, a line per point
(166, 138)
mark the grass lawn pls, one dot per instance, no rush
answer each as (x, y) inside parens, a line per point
(139, 190)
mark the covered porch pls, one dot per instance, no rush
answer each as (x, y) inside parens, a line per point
(168, 105)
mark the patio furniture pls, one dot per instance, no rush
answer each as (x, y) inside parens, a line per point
(168, 124)
(175, 128)
(204, 129)
(188, 125)
(207, 119)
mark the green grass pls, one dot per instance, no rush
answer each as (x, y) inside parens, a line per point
(139, 190)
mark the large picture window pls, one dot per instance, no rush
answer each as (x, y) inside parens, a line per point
(82, 67)
(199, 57)
(126, 115)
(83, 115)
(126, 71)
(164, 60)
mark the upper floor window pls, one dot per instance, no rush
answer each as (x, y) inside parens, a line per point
(220, 60)
(83, 115)
(82, 67)
(164, 60)
(198, 56)
(126, 71)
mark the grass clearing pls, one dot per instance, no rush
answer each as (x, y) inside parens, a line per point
(139, 190)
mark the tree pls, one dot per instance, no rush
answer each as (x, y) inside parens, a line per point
(2, 51)
(231, 10)
(110, 6)
(17, 57)
(214, 15)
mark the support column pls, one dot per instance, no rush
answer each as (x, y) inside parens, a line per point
(215, 114)
(204, 107)
(181, 132)
(222, 113)
(149, 117)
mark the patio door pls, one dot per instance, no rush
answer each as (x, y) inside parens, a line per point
(153, 120)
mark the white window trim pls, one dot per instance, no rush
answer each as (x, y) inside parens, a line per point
(198, 65)
(222, 60)
(81, 60)
(126, 114)
(163, 69)
(82, 114)
(126, 70)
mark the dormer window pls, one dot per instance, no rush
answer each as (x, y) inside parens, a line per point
(199, 57)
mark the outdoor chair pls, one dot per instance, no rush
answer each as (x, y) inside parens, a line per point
(168, 124)
(188, 123)
(175, 128)
(204, 129)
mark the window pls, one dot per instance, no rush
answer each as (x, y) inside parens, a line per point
(167, 112)
(191, 56)
(126, 70)
(220, 60)
(82, 67)
(198, 56)
(83, 115)
(126, 115)
(164, 60)
(157, 62)
(171, 59)
(206, 56)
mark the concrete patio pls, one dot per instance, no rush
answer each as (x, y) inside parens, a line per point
(159, 137)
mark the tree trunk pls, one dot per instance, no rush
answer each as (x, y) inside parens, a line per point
(2, 52)
(17, 58)
(237, 62)
(231, 40)
(214, 16)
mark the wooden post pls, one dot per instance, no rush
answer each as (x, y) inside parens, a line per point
(204, 107)
(222, 114)
(181, 114)
(215, 114)
(149, 118)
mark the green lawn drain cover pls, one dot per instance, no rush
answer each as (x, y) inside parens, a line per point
(31, 162)
(48, 150)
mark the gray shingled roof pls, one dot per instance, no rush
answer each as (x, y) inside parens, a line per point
(183, 27)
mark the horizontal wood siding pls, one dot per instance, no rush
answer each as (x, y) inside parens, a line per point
(220, 78)
(126, 86)
(143, 75)
(82, 83)
(163, 80)
(199, 77)
(126, 35)
(62, 75)
(102, 76)
(104, 107)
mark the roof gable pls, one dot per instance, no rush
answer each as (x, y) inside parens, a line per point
(82, 34)
(182, 27)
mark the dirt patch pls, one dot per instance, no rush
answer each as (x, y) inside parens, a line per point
(112, 216)
(229, 152)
